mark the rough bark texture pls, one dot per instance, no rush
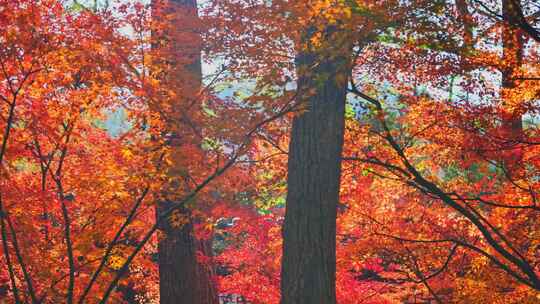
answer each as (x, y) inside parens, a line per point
(182, 278)
(309, 232)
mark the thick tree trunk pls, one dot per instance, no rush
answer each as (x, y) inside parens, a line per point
(309, 232)
(182, 278)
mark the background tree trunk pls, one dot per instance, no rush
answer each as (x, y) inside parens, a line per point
(309, 232)
(513, 49)
(182, 278)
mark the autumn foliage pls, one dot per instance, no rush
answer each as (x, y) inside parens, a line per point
(104, 116)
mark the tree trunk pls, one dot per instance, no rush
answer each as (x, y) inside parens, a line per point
(513, 48)
(182, 277)
(309, 232)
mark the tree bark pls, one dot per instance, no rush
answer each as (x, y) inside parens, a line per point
(309, 232)
(182, 277)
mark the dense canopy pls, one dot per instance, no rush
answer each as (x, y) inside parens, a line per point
(270, 151)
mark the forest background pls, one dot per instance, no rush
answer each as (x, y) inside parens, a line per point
(301, 151)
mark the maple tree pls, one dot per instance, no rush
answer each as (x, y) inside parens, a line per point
(453, 167)
(63, 73)
(435, 58)
(328, 152)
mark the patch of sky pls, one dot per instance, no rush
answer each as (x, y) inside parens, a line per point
(116, 122)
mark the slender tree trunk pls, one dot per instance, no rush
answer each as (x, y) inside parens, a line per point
(309, 232)
(182, 278)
